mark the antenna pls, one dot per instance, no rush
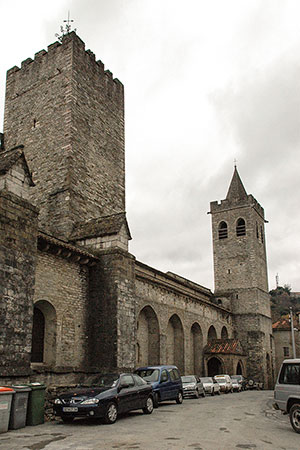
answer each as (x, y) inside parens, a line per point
(235, 162)
(65, 29)
(277, 280)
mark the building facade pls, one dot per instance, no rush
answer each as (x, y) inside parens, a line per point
(73, 300)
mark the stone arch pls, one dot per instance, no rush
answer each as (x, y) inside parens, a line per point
(148, 341)
(215, 366)
(224, 333)
(196, 349)
(222, 230)
(44, 333)
(175, 342)
(240, 227)
(239, 368)
(212, 334)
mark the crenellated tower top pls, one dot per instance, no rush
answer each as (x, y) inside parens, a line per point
(68, 112)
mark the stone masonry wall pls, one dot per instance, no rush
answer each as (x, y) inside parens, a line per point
(239, 261)
(169, 298)
(18, 243)
(69, 114)
(64, 286)
(112, 310)
(254, 332)
(15, 181)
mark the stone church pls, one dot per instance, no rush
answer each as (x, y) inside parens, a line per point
(73, 299)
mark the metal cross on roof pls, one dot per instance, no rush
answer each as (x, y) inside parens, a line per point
(68, 23)
(65, 29)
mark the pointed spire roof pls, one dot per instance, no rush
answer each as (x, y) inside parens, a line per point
(236, 189)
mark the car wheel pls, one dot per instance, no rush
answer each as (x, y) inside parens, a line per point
(149, 406)
(179, 398)
(295, 417)
(111, 413)
(67, 419)
(197, 394)
(155, 400)
(213, 392)
(219, 392)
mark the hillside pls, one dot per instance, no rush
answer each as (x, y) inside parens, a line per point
(281, 300)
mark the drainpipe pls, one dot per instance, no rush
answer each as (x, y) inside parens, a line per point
(293, 333)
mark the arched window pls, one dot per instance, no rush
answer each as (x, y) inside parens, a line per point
(43, 333)
(257, 233)
(240, 227)
(262, 234)
(224, 333)
(38, 335)
(223, 231)
(212, 334)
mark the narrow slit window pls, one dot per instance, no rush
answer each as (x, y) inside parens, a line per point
(223, 230)
(241, 227)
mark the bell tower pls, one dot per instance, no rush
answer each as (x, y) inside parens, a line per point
(240, 271)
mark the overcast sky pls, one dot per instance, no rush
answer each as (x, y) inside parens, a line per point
(205, 82)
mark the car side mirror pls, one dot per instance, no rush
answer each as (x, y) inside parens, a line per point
(123, 386)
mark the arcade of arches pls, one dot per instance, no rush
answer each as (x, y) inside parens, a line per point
(172, 341)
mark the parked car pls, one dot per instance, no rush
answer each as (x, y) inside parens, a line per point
(165, 381)
(225, 383)
(192, 386)
(107, 397)
(210, 385)
(287, 391)
(242, 381)
(236, 385)
(253, 384)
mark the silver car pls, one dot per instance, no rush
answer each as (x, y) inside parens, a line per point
(210, 385)
(287, 391)
(192, 386)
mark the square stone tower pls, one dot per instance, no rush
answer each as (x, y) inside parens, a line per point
(240, 270)
(68, 112)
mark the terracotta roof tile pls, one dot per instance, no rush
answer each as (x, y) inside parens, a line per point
(225, 346)
(282, 324)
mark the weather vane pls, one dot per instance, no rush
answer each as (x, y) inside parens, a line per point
(65, 29)
(235, 162)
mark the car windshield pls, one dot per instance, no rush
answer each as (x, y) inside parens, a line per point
(206, 380)
(236, 377)
(220, 380)
(106, 380)
(188, 379)
(149, 374)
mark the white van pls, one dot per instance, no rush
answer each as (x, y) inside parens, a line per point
(287, 391)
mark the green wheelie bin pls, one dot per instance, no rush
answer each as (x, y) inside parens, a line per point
(36, 404)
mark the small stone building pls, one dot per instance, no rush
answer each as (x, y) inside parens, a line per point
(283, 339)
(73, 299)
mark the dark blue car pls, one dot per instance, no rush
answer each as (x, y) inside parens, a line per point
(165, 380)
(106, 397)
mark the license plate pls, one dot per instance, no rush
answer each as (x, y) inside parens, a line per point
(70, 409)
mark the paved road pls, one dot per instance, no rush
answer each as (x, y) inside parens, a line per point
(233, 421)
